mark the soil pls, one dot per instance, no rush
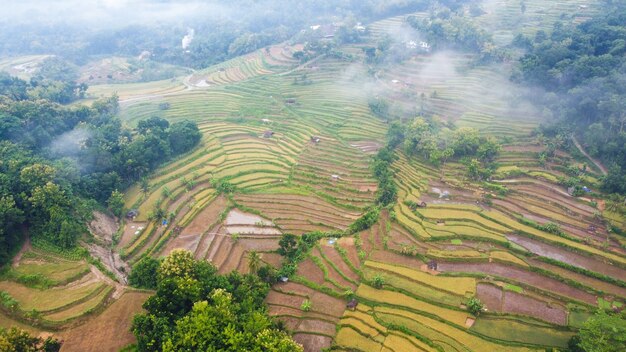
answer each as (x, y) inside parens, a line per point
(312, 272)
(109, 331)
(526, 277)
(313, 343)
(396, 259)
(103, 226)
(25, 248)
(206, 217)
(566, 256)
(521, 304)
(238, 217)
(491, 296)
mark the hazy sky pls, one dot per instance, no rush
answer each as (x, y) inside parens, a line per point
(106, 12)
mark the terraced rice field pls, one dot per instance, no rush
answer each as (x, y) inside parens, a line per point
(299, 159)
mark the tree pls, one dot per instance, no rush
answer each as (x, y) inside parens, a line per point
(254, 261)
(288, 245)
(475, 306)
(179, 264)
(144, 273)
(603, 333)
(378, 281)
(18, 340)
(215, 325)
(184, 136)
(116, 203)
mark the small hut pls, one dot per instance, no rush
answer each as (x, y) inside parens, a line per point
(352, 304)
(421, 204)
(268, 134)
(290, 101)
(334, 177)
(315, 139)
(132, 214)
(432, 265)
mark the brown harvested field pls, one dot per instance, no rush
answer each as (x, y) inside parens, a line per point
(282, 299)
(569, 257)
(188, 242)
(518, 303)
(313, 343)
(273, 259)
(129, 232)
(396, 259)
(583, 279)
(310, 271)
(333, 274)
(347, 243)
(334, 257)
(316, 326)
(490, 295)
(109, 331)
(525, 277)
(206, 217)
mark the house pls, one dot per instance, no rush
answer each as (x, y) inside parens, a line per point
(132, 213)
(334, 177)
(315, 139)
(352, 304)
(265, 120)
(268, 134)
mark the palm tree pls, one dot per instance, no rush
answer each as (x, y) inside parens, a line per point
(254, 261)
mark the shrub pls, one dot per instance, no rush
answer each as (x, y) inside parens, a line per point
(378, 281)
(475, 306)
(306, 305)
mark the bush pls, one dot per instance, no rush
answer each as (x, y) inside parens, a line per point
(475, 306)
(306, 305)
(378, 281)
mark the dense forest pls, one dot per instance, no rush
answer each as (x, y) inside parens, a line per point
(214, 36)
(581, 71)
(58, 161)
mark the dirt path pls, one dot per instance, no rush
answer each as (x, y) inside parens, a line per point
(596, 162)
(119, 288)
(25, 247)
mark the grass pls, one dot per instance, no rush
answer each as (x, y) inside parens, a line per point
(50, 299)
(442, 333)
(514, 288)
(400, 300)
(57, 272)
(509, 329)
(459, 286)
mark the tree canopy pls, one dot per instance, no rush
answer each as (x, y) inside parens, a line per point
(195, 309)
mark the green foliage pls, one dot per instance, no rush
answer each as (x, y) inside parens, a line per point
(379, 107)
(387, 192)
(194, 308)
(378, 281)
(306, 305)
(18, 340)
(475, 306)
(116, 203)
(581, 66)
(7, 300)
(365, 221)
(601, 333)
(144, 273)
(223, 186)
(438, 142)
(288, 245)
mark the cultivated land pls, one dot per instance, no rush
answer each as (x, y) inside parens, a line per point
(537, 286)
